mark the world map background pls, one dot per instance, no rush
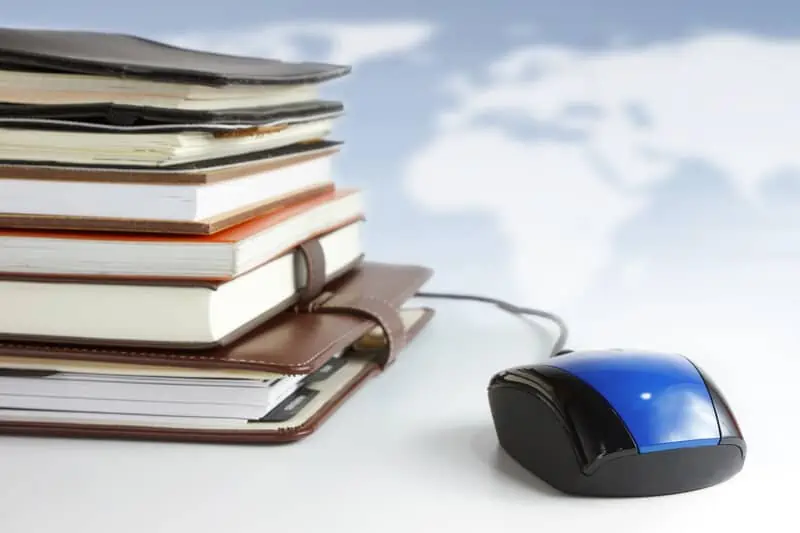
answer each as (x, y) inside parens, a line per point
(632, 167)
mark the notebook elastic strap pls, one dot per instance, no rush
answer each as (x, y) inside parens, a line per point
(311, 253)
(375, 309)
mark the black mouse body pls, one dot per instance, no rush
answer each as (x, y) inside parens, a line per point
(617, 424)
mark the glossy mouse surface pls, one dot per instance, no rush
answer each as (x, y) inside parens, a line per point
(617, 423)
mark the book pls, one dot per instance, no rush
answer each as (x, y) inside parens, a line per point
(64, 66)
(151, 149)
(283, 408)
(121, 117)
(219, 257)
(161, 400)
(318, 351)
(190, 200)
(241, 398)
(30, 362)
(190, 313)
(56, 88)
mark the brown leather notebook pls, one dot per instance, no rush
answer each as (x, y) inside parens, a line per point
(359, 323)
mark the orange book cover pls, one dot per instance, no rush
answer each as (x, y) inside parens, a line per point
(231, 235)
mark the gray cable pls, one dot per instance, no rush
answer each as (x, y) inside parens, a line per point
(561, 341)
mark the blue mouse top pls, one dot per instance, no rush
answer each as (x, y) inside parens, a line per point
(662, 398)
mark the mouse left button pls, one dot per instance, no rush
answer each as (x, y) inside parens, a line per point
(729, 428)
(598, 432)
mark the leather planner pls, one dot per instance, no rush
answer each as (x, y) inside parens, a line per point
(352, 329)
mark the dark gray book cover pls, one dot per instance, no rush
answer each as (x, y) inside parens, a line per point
(114, 54)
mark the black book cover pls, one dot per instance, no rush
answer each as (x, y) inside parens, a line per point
(114, 54)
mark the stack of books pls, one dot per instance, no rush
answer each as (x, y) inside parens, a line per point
(176, 261)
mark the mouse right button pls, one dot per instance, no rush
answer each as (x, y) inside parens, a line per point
(728, 425)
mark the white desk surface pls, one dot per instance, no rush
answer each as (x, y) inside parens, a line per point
(414, 450)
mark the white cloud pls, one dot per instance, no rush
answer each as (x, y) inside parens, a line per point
(727, 99)
(346, 43)
(546, 197)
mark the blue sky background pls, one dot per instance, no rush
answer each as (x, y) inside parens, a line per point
(696, 246)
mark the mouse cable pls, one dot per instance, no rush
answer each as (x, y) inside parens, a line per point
(561, 341)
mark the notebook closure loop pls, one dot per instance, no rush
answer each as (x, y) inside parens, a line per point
(314, 258)
(375, 309)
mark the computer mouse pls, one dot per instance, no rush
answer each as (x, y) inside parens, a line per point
(617, 423)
